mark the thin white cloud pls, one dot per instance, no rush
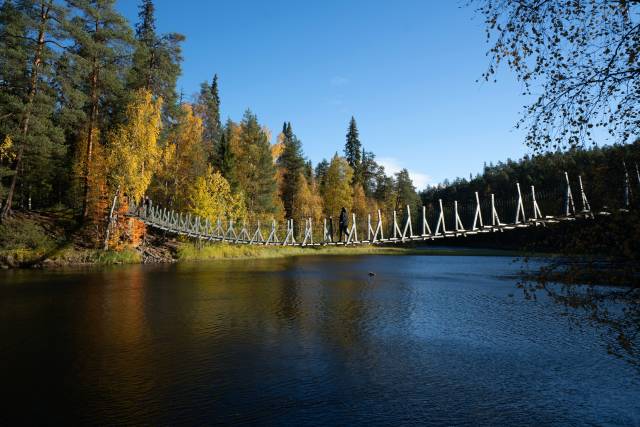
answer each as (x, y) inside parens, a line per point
(392, 166)
(339, 81)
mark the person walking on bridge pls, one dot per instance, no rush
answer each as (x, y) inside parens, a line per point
(343, 223)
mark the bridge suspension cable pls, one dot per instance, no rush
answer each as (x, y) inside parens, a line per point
(526, 211)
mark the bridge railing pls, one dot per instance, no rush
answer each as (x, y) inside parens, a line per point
(437, 219)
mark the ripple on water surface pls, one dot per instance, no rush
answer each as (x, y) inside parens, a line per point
(309, 340)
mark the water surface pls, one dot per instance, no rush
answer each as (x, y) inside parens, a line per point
(309, 340)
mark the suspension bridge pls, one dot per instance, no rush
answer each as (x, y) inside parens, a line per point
(441, 221)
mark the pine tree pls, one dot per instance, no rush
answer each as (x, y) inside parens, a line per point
(156, 60)
(101, 40)
(27, 100)
(7, 156)
(291, 162)
(353, 147)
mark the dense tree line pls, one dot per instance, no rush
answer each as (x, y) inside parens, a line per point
(604, 171)
(90, 119)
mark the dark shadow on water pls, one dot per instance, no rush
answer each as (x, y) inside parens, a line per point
(308, 340)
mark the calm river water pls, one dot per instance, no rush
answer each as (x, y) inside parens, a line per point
(310, 340)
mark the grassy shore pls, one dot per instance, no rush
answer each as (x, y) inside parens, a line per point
(37, 240)
(66, 255)
(52, 239)
(217, 251)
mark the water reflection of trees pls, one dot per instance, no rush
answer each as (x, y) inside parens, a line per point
(613, 310)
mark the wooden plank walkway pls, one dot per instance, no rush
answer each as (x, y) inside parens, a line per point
(204, 230)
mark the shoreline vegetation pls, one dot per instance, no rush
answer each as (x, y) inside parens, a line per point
(92, 120)
(50, 240)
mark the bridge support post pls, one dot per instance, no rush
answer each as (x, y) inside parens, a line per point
(495, 219)
(586, 209)
(396, 229)
(407, 226)
(308, 232)
(273, 238)
(569, 206)
(441, 221)
(627, 187)
(372, 234)
(289, 238)
(353, 233)
(231, 232)
(244, 233)
(459, 227)
(426, 230)
(257, 235)
(477, 218)
(520, 207)
(325, 233)
(536, 209)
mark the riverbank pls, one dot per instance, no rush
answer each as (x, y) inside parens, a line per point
(189, 252)
(217, 251)
(52, 239)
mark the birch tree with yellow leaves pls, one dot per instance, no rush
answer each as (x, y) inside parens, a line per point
(308, 203)
(183, 160)
(336, 189)
(211, 198)
(134, 153)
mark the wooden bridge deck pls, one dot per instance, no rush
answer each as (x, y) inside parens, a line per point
(205, 230)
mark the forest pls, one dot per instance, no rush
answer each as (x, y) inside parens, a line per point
(90, 119)
(607, 172)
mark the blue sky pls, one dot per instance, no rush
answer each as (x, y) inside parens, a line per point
(406, 70)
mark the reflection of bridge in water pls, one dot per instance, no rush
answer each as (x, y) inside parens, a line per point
(448, 221)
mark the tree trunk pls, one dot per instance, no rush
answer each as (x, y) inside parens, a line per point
(33, 86)
(110, 220)
(92, 120)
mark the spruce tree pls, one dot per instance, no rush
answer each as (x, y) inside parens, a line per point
(405, 191)
(353, 147)
(208, 109)
(292, 164)
(321, 171)
(226, 159)
(308, 171)
(156, 60)
(254, 169)
(384, 193)
(367, 172)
